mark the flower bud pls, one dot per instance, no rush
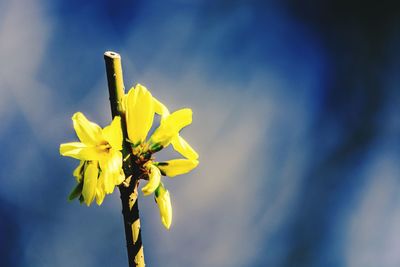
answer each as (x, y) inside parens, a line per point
(164, 204)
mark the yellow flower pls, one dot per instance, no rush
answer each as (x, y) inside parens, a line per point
(100, 169)
(140, 107)
(164, 205)
(178, 143)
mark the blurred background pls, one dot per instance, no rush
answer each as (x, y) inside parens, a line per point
(296, 120)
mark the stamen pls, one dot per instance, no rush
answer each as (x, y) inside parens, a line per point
(127, 157)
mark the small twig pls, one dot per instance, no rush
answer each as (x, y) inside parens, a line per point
(129, 194)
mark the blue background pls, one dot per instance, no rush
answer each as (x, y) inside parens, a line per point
(296, 120)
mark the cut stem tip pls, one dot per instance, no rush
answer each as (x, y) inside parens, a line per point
(111, 54)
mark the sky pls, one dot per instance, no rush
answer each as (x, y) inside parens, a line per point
(295, 117)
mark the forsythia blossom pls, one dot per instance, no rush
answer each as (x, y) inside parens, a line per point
(101, 159)
(140, 107)
(100, 168)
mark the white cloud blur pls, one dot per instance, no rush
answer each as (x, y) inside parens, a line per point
(372, 233)
(24, 31)
(23, 34)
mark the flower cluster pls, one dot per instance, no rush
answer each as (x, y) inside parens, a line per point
(101, 160)
(99, 152)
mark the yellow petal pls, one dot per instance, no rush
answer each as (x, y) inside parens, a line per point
(119, 177)
(80, 151)
(88, 132)
(100, 195)
(139, 113)
(100, 192)
(183, 147)
(71, 149)
(108, 182)
(170, 126)
(164, 205)
(111, 168)
(154, 181)
(180, 118)
(90, 182)
(78, 172)
(160, 109)
(115, 163)
(113, 133)
(175, 167)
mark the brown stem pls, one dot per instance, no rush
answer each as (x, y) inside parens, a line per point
(130, 210)
(129, 195)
